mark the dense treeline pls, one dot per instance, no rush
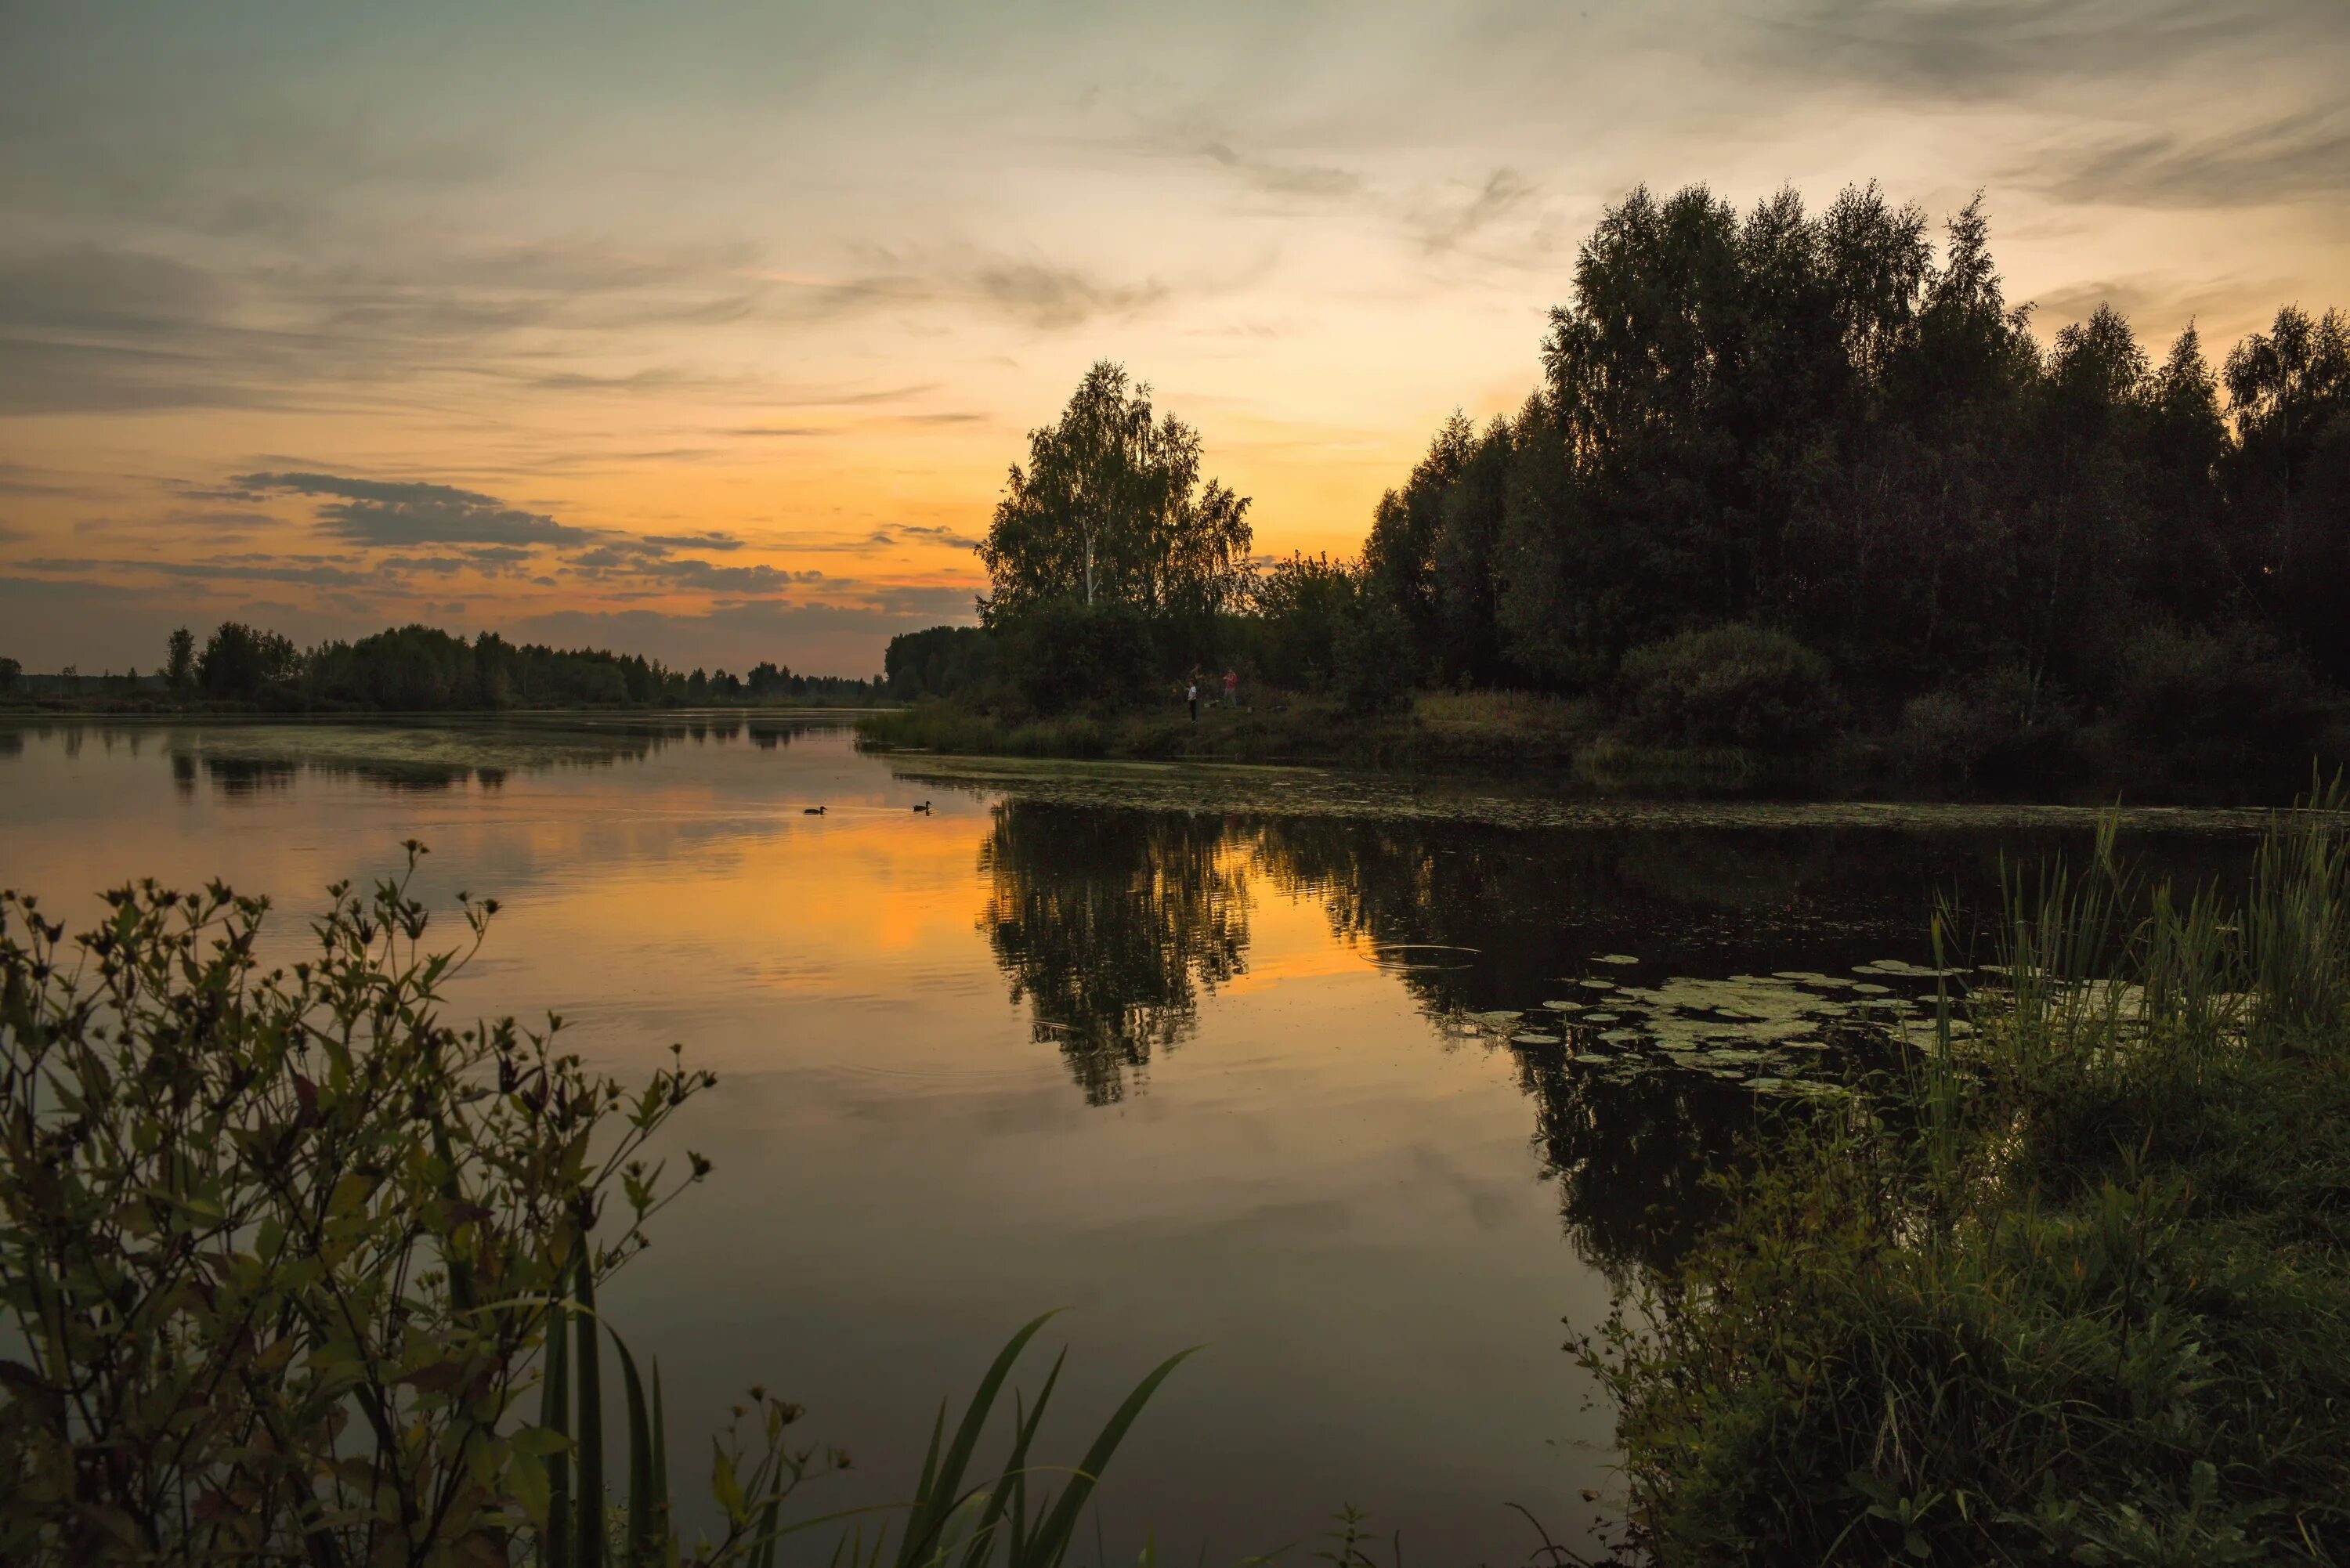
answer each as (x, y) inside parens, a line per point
(1788, 478)
(417, 668)
(1792, 471)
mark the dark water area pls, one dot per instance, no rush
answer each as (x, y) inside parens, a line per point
(1361, 1084)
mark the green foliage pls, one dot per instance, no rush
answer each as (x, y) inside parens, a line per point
(941, 661)
(1111, 510)
(2215, 704)
(1063, 654)
(242, 661)
(1732, 685)
(419, 668)
(282, 1256)
(2003, 724)
(1372, 672)
(9, 671)
(2081, 1295)
(277, 1243)
(180, 661)
(1306, 605)
(1824, 422)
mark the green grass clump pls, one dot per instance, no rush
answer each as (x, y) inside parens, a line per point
(2084, 1299)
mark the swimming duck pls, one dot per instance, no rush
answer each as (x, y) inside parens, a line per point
(924, 807)
(811, 811)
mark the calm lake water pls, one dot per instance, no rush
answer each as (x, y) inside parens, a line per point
(1362, 1084)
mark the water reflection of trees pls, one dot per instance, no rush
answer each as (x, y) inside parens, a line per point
(240, 761)
(1108, 924)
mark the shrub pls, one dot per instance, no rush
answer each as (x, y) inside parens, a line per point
(282, 1255)
(1063, 654)
(1736, 685)
(2006, 722)
(2073, 1293)
(2211, 704)
(1305, 606)
(1372, 670)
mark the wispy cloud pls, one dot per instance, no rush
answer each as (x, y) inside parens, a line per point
(261, 569)
(1502, 192)
(2007, 49)
(693, 541)
(1056, 298)
(935, 535)
(2298, 157)
(1280, 177)
(16, 479)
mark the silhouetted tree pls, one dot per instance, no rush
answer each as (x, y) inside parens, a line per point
(1819, 427)
(180, 661)
(1111, 509)
(242, 661)
(940, 662)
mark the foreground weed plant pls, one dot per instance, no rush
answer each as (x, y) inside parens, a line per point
(2086, 1299)
(293, 1271)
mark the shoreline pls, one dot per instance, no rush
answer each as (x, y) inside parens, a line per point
(1552, 743)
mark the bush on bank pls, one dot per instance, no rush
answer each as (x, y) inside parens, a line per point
(292, 1270)
(2086, 1299)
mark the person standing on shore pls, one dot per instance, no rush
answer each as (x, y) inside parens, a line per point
(1192, 697)
(1232, 687)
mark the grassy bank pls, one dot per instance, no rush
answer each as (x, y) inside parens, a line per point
(2089, 1303)
(1469, 732)
(1583, 742)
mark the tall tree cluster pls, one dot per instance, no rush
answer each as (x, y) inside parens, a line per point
(1826, 425)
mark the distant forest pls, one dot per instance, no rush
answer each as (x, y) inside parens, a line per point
(417, 668)
(1786, 476)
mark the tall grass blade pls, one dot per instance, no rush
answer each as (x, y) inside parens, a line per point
(1051, 1543)
(554, 1415)
(1007, 1488)
(647, 1506)
(941, 1491)
(590, 1549)
(660, 1455)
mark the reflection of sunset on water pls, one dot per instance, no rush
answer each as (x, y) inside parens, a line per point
(1237, 1076)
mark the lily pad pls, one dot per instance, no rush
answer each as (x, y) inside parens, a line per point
(1531, 1038)
(1615, 959)
(1904, 968)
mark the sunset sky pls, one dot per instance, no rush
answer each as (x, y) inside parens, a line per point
(708, 330)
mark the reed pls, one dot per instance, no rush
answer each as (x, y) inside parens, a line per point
(956, 1517)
